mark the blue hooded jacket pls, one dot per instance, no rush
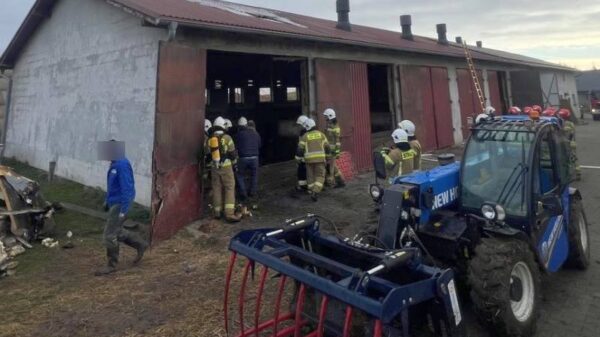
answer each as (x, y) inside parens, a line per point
(120, 185)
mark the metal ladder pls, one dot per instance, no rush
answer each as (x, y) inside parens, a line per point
(474, 76)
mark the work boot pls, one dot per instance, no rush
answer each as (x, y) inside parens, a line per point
(232, 218)
(107, 270)
(314, 196)
(141, 249)
(339, 182)
(217, 215)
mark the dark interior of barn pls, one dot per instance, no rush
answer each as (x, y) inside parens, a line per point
(266, 89)
(379, 98)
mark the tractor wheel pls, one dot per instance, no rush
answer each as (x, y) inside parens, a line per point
(505, 286)
(579, 242)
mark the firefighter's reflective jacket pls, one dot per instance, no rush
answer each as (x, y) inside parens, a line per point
(399, 163)
(224, 155)
(313, 147)
(415, 145)
(334, 137)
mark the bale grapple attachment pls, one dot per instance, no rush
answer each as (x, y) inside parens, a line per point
(295, 281)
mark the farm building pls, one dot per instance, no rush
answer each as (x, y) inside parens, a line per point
(149, 72)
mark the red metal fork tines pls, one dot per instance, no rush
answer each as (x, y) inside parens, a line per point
(242, 297)
(299, 308)
(261, 287)
(347, 322)
(227, 287)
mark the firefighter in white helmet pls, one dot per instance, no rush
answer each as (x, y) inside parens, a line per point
(333, 133)
(400, 160)
(204, 165)
(221, 149)
(301, 183)
(410, 129)
(314, 148)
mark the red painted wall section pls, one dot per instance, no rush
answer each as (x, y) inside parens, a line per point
(177, 196)
(362, 117)
(469, 102)
(428, 122)
(495, 96)
(343, 86)
(443, 107)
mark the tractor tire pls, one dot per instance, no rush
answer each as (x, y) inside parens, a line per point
(579, 242)
(505, 286)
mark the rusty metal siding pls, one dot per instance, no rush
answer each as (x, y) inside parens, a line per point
(469, 102)
(442, 107)
(428, 122)
(343, 86)
(177, 196)
(494, 86)
(362, 116)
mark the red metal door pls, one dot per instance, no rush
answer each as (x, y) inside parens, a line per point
(343, 86)
(362, 116)
(442, 107)
(417, 103)
(465, 94)
(177, 193)
(495, 96)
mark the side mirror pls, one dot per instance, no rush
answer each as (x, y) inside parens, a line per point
(551, 204)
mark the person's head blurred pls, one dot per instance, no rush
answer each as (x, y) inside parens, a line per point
(111, 150)
(251, 124)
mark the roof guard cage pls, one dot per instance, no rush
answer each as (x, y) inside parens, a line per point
(380, 284)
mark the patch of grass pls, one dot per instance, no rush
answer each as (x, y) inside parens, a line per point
(63, 190)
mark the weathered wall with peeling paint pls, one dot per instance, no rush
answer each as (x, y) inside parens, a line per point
(88, 74)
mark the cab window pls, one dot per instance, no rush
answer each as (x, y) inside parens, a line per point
(545, 175)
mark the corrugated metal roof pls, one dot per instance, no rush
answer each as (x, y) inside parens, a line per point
(218, 14)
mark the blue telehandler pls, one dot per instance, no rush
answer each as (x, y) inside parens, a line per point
(491, 224)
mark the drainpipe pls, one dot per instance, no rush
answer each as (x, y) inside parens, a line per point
(6, 114)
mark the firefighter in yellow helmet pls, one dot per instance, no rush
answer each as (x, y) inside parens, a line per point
(314, 148)
(333, 133)
(400, 160)
(415, 145)
(223, 154)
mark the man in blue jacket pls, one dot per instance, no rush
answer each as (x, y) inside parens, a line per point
(119, 197)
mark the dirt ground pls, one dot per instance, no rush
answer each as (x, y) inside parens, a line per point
(178, 289)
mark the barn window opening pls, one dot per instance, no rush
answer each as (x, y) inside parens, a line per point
(292, 94)
(264, 95)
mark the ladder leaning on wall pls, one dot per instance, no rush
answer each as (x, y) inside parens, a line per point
(474, 76)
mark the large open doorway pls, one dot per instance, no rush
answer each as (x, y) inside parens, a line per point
(266, 89)
(380, 103)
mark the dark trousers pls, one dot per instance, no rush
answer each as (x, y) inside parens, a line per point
(114, 233)
(247, 170)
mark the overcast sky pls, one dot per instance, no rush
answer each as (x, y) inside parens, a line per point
(562, 31)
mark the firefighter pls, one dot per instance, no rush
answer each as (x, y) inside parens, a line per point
(569, 129)
(527, 110)
(537, 108)
(415, 145)
(400, 160)
(301, 184)
(549, 112)
(205, 162)
(221, 149)
(515, 110)
(314, 148)
(333, 133)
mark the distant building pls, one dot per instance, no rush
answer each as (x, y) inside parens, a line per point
(149, 72)
(588, 86)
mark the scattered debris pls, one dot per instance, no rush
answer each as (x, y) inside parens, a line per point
(16, 250)
(25, 216)
(69, 244)
(50, 243)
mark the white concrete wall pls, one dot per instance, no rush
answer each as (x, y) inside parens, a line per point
(560, 84)
(88, 74)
